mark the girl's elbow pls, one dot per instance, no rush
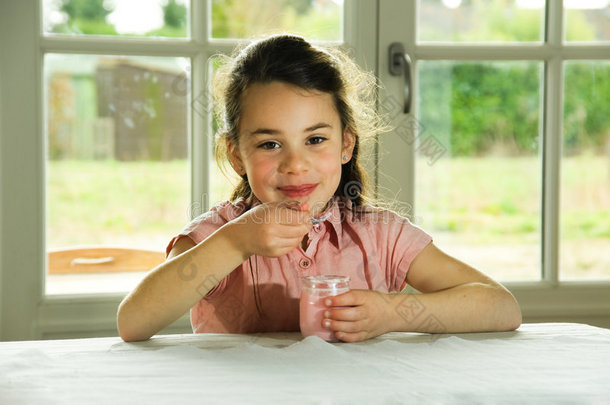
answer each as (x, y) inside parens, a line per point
(129, 330)
(518, 316)
(513, 316)
(514, 321)
(129, 334)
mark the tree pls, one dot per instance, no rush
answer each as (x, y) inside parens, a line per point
(92, 10)
(86, 17)
(174, 14)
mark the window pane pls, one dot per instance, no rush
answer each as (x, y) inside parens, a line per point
(148, 18)
(118, 170)
(480, 21)
(585, 172)
(477, 167)
(317, 20)
(587, 20)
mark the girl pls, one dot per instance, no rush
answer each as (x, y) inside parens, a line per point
(293, 117)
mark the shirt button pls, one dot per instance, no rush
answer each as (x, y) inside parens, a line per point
(304, 263)
(317, 228)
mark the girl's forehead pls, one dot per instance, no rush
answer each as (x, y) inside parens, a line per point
(281, 90)
(285, 104)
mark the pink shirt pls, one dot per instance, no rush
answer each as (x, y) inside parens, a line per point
(374, 248)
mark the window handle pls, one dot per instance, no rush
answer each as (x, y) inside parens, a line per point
(400, 63)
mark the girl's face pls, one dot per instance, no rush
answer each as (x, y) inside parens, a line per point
(291, 144)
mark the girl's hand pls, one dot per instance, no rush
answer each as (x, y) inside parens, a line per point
(271, 229)
(369, 315)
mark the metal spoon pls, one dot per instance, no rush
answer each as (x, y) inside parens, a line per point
(321, 219)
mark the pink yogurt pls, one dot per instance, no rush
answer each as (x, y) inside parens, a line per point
(314, 291)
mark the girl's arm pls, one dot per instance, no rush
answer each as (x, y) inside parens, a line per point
(455, 298)
(169, 290)
(191, 271)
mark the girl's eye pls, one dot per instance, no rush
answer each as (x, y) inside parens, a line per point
(269, 145)
(315, 140)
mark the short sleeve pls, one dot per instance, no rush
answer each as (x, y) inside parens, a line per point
(198, 229)
(203, 226)
(404, 242)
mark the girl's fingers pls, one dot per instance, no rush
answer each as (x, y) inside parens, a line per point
(283, 212)
(344, 314)
(352, 297)
(342, 326)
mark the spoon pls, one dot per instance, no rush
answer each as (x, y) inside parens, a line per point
(318, 220)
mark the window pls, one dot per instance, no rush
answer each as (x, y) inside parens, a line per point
(482, 198)
(117, 133)
(116, 141)
(115, 149)
(534, 210)
(487, 78)
(506, 147)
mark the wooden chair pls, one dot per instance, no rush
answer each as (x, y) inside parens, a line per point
(102, 260)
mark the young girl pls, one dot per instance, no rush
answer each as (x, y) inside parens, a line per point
(293, 117)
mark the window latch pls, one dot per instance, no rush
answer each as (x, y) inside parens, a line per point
(400, 63)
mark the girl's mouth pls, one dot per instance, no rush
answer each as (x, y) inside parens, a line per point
(302, 190)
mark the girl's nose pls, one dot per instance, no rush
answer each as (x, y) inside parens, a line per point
(294, 162)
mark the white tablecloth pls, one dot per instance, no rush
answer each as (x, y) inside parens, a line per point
(539, 363)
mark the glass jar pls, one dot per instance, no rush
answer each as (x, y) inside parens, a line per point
(314, 289)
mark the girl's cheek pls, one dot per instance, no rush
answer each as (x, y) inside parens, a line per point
(262, 169)
(328, 163)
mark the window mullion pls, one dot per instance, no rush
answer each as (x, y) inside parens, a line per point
(199, 21)
(22, 152)
(552, 135)
(198, 111)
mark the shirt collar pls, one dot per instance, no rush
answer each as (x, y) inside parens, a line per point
(335, 209)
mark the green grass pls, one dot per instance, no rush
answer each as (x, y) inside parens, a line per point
(482, 202)
(100, 202)
(138, 204)
(496, 200)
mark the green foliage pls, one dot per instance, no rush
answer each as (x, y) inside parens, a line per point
(174, 15)
(91, 10)
(490, 107)
(232, 20)
(85, 17)
(586, 106)
(482, 20)
(494, 104)
(89, 17)
(482, 105)
(81, 26)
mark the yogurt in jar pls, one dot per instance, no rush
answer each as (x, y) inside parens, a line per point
(313, 293)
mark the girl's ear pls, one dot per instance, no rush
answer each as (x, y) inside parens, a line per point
(235, 158)
(349, 140)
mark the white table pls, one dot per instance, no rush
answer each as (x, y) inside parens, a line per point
(539, 363)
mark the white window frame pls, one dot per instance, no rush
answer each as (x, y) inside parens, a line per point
(548, 299)
(25, 311)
